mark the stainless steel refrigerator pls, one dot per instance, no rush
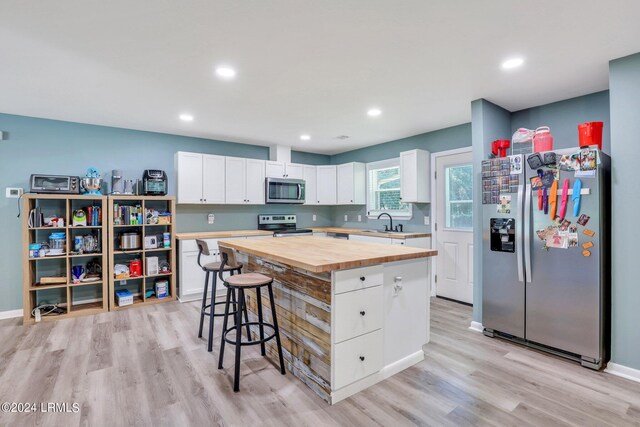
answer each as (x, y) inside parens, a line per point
(546, 284)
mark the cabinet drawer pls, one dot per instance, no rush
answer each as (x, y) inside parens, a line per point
(357, 313)
(357, 278)
(357, 358)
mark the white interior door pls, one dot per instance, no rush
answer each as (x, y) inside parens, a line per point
(454, 226)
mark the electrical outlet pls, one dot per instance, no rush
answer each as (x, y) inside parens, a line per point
(211, 218)
(314, 217)
(426, 220)
(14, 193)
(346, 218)
(359, 218)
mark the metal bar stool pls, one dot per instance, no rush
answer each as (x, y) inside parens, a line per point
(242, 282)
(215, 268)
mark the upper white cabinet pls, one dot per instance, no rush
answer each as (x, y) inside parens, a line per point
(326, 185)
(200, 178)
(415, 179)
(309, 174)
(351, 184)
(284, 170)
(244, 183)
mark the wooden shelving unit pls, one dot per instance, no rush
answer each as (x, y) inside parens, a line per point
(33, 269)
(140, 284)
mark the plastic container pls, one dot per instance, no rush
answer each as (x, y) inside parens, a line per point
(58, 241)
(542, 140)
(590, 134)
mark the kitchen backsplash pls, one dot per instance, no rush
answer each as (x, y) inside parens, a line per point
(416, 223)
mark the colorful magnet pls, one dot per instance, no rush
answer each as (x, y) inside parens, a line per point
(540, 200)
(583, 220)
(586, 253)
(587, 245)
(588, 232)
(545, 201)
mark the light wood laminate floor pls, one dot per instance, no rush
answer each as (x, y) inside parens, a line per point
(145, 366)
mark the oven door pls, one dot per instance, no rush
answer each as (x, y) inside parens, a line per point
(280, 190)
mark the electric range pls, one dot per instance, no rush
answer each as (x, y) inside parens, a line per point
(282, 225)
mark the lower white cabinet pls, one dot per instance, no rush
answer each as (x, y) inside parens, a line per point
(357, 313)
(357, 358)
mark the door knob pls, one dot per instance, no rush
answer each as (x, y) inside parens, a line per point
(362, 313)
(362, 279)
(362, 358)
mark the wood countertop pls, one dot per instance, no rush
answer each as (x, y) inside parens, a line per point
(222, 234)
(321, 254)
(362, 232)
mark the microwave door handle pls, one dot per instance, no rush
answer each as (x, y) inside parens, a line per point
(299, 192)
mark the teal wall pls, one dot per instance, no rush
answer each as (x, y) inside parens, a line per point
(55, 147)
(564, 117)
(489, 122)
(440, 140)
(624, 86)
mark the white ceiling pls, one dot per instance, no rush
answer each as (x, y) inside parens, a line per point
(303, 66)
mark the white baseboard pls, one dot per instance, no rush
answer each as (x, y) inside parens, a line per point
(623, 371)
(10, 314)
(384, 373)
(476, 326)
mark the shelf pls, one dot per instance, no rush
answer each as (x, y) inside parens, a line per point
(129, 252)
(48, 257)
(158, 225)
(128, 278)
(85, 255)
(158, 275)
(48, 228)
(75, 285)
(43, 287)
(80, 227)
(158, 249)
(127, 225)
(81, 308)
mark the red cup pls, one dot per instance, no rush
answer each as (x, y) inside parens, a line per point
(590, 133)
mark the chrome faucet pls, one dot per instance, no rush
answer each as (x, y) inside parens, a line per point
(390, 221)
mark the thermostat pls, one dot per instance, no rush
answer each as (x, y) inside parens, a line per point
(14, 193)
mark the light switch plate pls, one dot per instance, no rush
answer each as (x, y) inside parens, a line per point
(314, 217)
(359, 218)
(426, 220)
(346, 218)
(211, 218)
(14, 193)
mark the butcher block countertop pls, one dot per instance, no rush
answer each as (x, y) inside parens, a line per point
(222, 234)
(321, 254)
(362, 232)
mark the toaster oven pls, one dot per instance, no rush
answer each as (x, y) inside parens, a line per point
(54, 184)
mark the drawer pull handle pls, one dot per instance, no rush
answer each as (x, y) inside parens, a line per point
(362, 358)
(362, 313)
(362, 278)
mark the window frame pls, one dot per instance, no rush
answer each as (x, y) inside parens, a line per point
(373, 213)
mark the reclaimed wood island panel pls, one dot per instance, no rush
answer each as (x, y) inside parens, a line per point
(350, 313)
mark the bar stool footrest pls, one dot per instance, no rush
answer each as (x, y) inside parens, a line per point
(208, 306)
(252, 342)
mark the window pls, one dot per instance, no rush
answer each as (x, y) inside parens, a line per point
(459, 197)
(383, 184)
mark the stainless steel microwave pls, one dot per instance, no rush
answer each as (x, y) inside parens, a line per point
(283, 190)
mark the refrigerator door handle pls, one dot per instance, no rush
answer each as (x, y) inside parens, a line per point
(519, 239)
(527, 233)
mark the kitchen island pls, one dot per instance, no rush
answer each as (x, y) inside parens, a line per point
(350, 313)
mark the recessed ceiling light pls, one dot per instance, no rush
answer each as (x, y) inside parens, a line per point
(226, 72)
(305, 137)
(374, 112)
(186, 117)
(512, 63)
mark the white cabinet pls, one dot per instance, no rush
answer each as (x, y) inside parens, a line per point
(213, 179)
(326, 185)
(284, 170)
(351, 184)
(200, 178)
(357, 358)
(244, 181)
(309, 174)
(415, 179)
(357, 313)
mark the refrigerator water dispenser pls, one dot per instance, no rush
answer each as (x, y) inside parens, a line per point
(503, 234)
